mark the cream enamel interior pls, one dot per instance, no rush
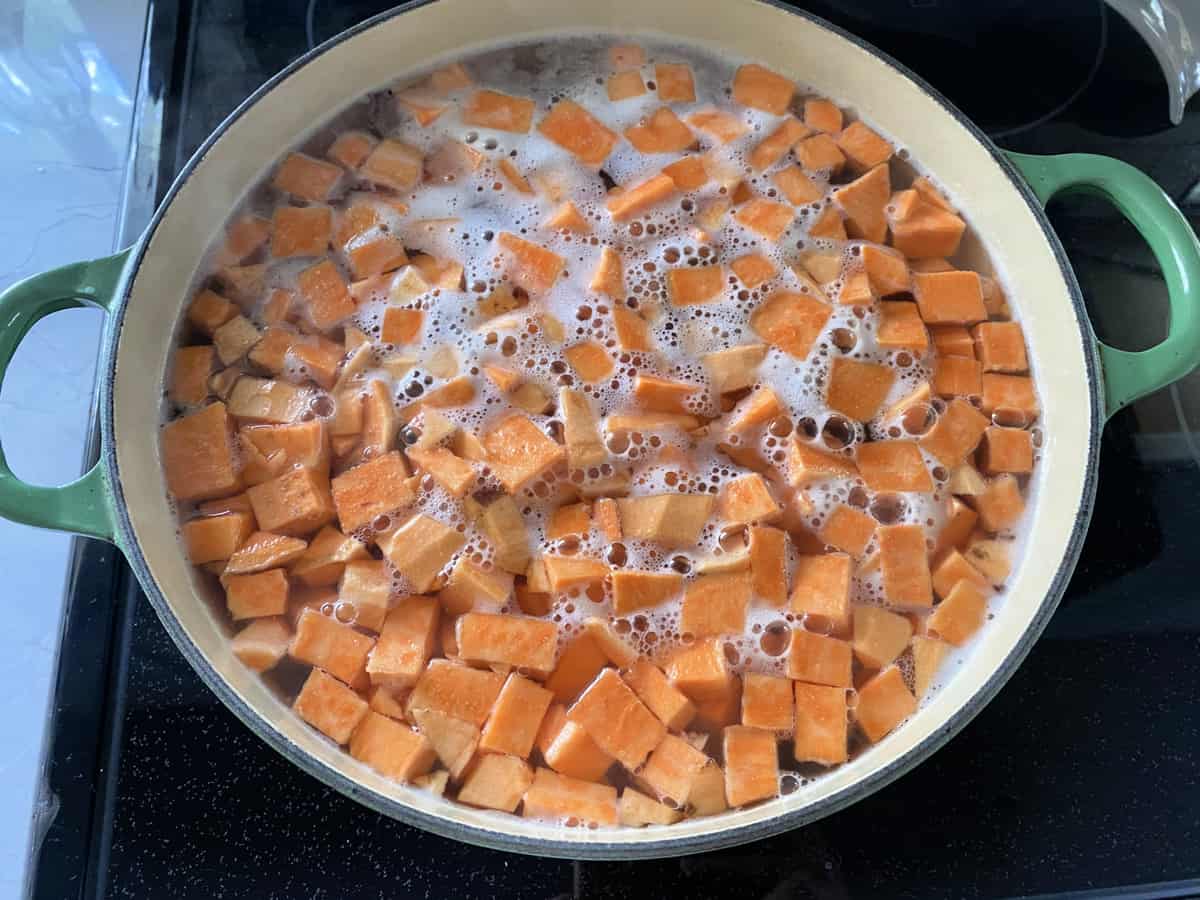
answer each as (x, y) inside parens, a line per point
(802, 49)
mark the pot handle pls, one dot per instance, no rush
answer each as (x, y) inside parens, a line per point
(1129, 375)
(86, 505)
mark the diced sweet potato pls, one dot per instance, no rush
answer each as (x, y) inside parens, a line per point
(454, 474)
(796, 186)
(512, 640)
(768, 563)
(893, 466)
(450, 78)
(295, 503)
(904, 560)
(530, 266)
(856, 290)
(763, 89)
(208, 311)
(300, 444)
(635, 809)
(371, 489)
(566, 572)
(674, 83)
(660, 132)
(949, 297)
(822, 115)
(350, 148)
(960, 615)
(821, 724)
(491, 109)
(790, 321)
(701, 284)
(473, 587)
(688, 174)
(863, 201)
(858, 389)
(496, 782)
(751, 765)
(634, 590)
(767, 702)
(883, 703)
(922, 230)
(391, 747)
(901, 327)
(623, 85)
(324, 292)
(611, 644)
(574, 518)
(301, 231)
(1009, 392)
(257, 595)
(364, 584)
(1000, 506)
(617, 720)
(453, 740)
(820, 153)
(775, 146)
(401, 326)
(716, 604)
(325, 642)
(578, 132)
(719, 124)
(807, 464)
(753, 269)
(609, 277)
(864, 148)
(886, 269)
(516, 717)
(879, 636)
(1001, 347)
(766, 218)
(405, 642)
(518, 451)
(928, 654)
(956, 433)
(568, 749)
(672, 769)
(393, 164)
(1006, 450)
(580, 430)
(734, 368)
(262, 643)
(590, 360)
(190, 371)
(456, 690)
(747, 499)
(953, 340)
(198, 455)
(673, 520)
(821, 587)
(504, 527)
(848, 529)
(215, 538)
(630, 201)
(700, 671)
(262, 551)
(245, 235)
(306, 178)
(960, 522)
(514, 177)
(653, 688)
(577, 666)
(560, 798)
(420, 549)
(329, 706)
(819, 659)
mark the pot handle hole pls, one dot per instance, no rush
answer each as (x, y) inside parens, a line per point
(84, 506)
(1129, 375)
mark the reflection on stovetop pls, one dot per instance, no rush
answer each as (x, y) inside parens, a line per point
(1081, 774)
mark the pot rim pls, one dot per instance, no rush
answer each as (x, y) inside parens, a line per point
(571, 849)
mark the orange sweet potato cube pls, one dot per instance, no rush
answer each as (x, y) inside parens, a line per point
(262, 643)
(960, 615)
(858, 389)
(640, 590)
(763, 89)
(208, 311)
(510, 640)
(401, 326)
(774, 146)
(405, 642)
(1009, 392)
(922, 230)
(568, 218)
(661, 132)
(716, 604)
(454, 474)
(714, 713)
(674, 83)
(719, 124)
(450, 78)
(819, 659)
(829, 225)
(371, 489)
(609, 277)
(391, 748)
(325, 642)
(751, 765)
(456, 690)
(766, 218)
(670, 705)
(306, 178)
(558, 797)
(796, 186)
(301, 231)
(960, 522)
(735, 367)
(623, 85)
(350, 148)
(953, 568)
(821, 724)
(473, 587)
(820, 153)
(325, 559)
(901, 327)
(579, 663)
(566, 572)
(191, 368)
(516, 717)
(822, 115)
(420, 549)
(491, 109)
(700, 671)
(767, 702)
(708, 791)
(257, 595)
(661, 394)
(329, 706)
(807, 464)
(886, 269)
(928, 654)
(753, 269)
(578, 132)
(295, 503)
(957, 376)
(635, 809)
(215, 538)
(590, 360)
(747, 499)
(702, 284)
(893, 466)
(198, 455)
(688, 174)
(673, 520)
(1000, 506)
(672, 769)
(790, 321)
(1006, 450)
(883, 703)
(263, 550)
(568, 749)
(453, 740)
(617, 720)
(245, 235)
(393, 164)
(514, 177)
(864, 148)
(848, 529)
(496, 782)
(324, 292)
(759, 408)
(949, 297)
(904, 560)
(608, 518)
(879, 636)
(518, 451)
(630, 201)
(956, 433)
(863, 201)
(768, 563)
(821, 587)
(574, 518)
(530, 266)
(1001, 347)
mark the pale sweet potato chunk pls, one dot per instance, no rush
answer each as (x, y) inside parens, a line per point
(457, 690)
(1010, 392)
(688, 174)
(848, 529)
(215, 538)
(518, 451)
(511, 640)
(420, 549)
(956, 433)
(578, 132)
(491, 109)
(350, 148)
(329, 706)
(904, 561)
(747, 499)
(306, 178)
(262, 643)
(790, 321)
(1001, 505)
(257, 595)
(716, 604)
(767, 702)
(722, 709)
(453, 740)
(630, 201)
(391, 747)
(821, 587)
(617, 720)
(672, 769)
(325, 295)
(516, 717)
(405, 642)
(863, 201)
(496, 782)
(190, 371)
(660, 132)
(454, 474)
(722, 125)
(558, 797)
(635, 809)
(807, 464)
(928, 654)
(325, 642)
(893, 466)
(821, 724)
(198, 455)
(472, 586)
(768, 563)
(819, 659)
(700, 284)
(766, 218)
(775, 146)
(751, 765)
(674, 83)
(566, 572)
(858, 389)
(879, 636)
(762, 89)
(264, 550)
(883, 703)
(708, 791)
(673, 520)
(960, 522)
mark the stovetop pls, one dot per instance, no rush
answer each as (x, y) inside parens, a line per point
(1081, 778)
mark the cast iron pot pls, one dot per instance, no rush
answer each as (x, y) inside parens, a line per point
(143, 289)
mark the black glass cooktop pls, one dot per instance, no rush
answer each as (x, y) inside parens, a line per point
(1082, 778)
